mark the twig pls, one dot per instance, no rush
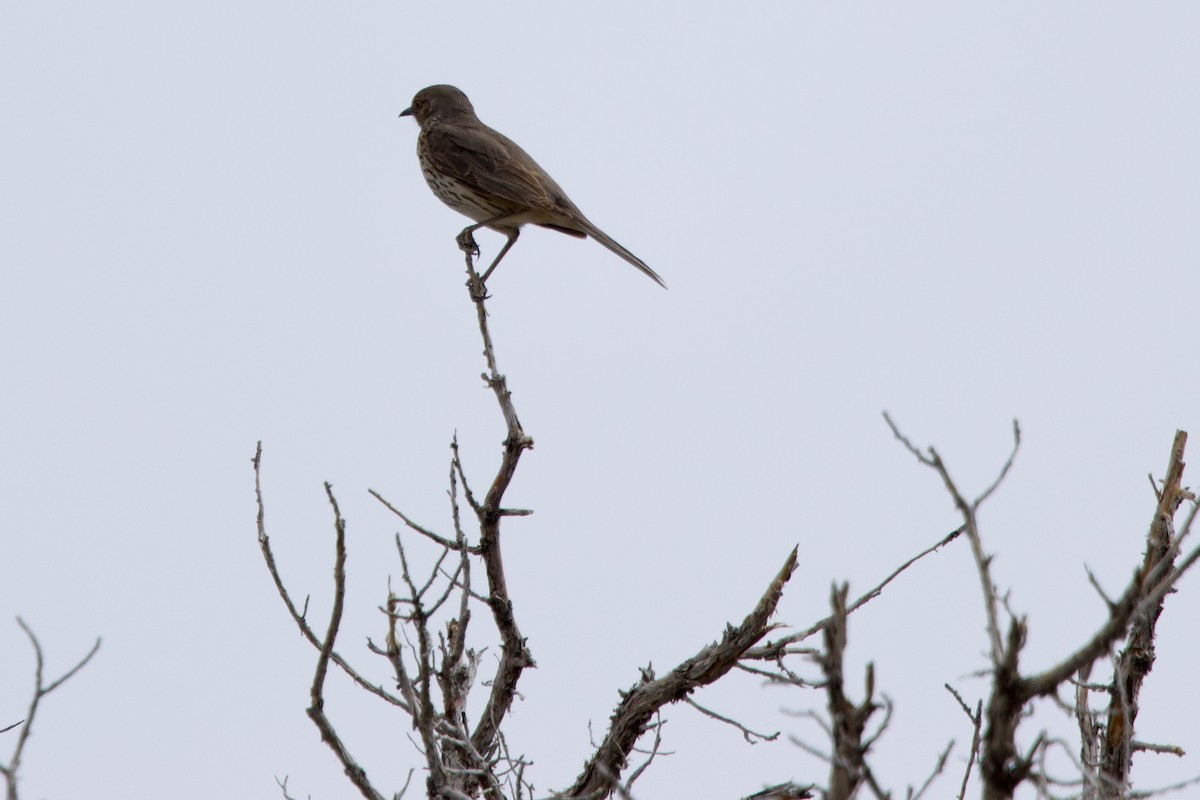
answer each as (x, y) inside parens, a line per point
(283, 787)
(968, 511)
(650, 756)
(316, 711)
(937, 770)
(1099, 589)
(1003, 470)
(812, 750)
(440, 540)
(773, 650)
(976, 718)
(1174, 787)
(297, 615)
(11, 770)
(1167, 749)
(747, 734)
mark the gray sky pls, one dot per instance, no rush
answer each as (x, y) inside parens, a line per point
(215, 231)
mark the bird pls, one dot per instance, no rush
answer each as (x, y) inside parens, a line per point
(481, 173)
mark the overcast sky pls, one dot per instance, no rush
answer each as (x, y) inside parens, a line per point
(215, 231)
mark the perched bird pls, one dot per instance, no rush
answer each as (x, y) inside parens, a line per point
(483, 174)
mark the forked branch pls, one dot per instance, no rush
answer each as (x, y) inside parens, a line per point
(41, 689)
(1003, 766)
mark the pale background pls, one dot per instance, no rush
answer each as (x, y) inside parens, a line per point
(215, 231)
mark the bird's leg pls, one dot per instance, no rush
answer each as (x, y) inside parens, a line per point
(466, 242)
(512, 239)
(466, 237)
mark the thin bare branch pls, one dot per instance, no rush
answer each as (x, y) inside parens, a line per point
(976, 718)
(283, 787)
(1186, 528)
(747, 734)
(1003, 470)
(299, 616)
(11, 770)
(457, 467)
(775, 649)
(937, 770)
(1166, 749)
(1161, 790)
(316, 711)
(968, 511)
(655, 749)
(812, 750)
(1099, 589)
(439, 540)
(904, 440)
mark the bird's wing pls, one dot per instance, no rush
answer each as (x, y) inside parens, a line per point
(491, 163)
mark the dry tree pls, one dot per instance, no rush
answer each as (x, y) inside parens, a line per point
(430, 643)
(434, 668)
(1106, 745)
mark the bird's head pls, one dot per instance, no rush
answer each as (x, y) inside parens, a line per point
(438, 102)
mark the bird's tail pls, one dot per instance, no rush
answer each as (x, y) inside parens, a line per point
(606, 240)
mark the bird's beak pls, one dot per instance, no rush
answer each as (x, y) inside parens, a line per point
(408, 112)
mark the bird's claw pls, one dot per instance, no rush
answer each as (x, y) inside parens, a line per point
(477, 288)
(466, 242)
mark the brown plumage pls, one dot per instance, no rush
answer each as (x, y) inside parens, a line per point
(483, 174)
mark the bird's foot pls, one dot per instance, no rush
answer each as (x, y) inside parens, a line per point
(466, 242)
(478, 289)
